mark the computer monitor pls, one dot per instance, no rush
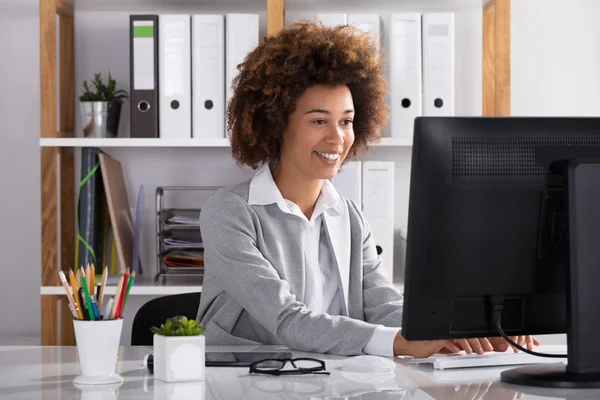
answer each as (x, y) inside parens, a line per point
(507, 210)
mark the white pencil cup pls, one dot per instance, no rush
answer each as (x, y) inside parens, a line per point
(98, 349)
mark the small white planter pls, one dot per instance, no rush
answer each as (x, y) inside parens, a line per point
(179, 358)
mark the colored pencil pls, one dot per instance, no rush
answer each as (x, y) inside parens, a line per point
(63, 280)
(129, 284)
(102, 286)
(117, 296)
(75, 294)
(88, 299)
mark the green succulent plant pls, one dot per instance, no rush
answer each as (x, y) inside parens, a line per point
(102, 91)
(179, 326)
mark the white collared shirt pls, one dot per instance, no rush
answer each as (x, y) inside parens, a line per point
(323, 293)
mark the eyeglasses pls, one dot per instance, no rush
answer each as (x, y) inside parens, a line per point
(274, 366)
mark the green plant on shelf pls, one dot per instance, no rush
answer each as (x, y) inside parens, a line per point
(179, 326)
(101, 91)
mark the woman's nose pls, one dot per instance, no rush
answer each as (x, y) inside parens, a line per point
(335, 135)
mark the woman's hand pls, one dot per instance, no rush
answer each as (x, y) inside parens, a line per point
(426, 348)
(525, 341)
(422, 348)
(483, 345)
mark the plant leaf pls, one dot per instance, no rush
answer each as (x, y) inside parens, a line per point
(102, 91)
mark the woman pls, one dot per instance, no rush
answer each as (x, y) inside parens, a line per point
(288, 261)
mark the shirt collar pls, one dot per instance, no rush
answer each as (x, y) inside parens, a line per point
(264, 191)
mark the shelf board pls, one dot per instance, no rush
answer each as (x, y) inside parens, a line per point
(200, 142)
(259, 5)
(396, 142)
(187, 6)
(133, 142)
(147, 288)
(143, 286)
(343, 5)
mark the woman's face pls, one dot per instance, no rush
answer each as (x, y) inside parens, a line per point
(319, 132)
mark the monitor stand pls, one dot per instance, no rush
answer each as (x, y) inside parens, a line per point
(583, 289)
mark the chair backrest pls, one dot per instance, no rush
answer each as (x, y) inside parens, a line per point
(156, 311)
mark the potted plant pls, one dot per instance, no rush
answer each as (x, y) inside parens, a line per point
(179, 350)
(100, 107)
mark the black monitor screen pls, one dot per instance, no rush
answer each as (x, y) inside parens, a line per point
(487, 217)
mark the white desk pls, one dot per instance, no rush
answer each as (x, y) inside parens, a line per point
(47, 373)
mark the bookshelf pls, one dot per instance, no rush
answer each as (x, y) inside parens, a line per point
(144, 286)
(63, 61)
(202, 142)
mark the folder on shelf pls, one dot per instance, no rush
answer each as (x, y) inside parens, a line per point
(173, 217)
(175, 94)
(184, 259)
(378, 208)
(405, 73)
(182, 238)
(143, 76)
(367, 23)
(348, 182)
(119, 211)
(92, 221)
(241, 37)
(208, 76)
(438, 64)
(136, 264)
(333, 19)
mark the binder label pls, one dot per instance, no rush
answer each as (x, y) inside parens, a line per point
(175, 56)
(406, 43)
(143, 55)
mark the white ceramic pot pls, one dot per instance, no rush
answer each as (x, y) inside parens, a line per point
(179, 358)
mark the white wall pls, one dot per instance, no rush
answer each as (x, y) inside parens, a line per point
(555, 62)
(555, 57)
(20, 272)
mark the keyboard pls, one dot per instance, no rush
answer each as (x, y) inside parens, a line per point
(463, 360)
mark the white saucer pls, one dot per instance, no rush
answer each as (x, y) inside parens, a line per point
(98, 380)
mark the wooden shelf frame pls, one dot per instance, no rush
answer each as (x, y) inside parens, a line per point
(57, 162)
(496, 58)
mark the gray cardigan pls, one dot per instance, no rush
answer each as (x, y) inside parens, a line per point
(255, 278)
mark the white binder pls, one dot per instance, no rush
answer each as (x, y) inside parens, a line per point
(208, 76)
(241, 37)
(333, 19)
(367, 23)
(174, 71)
(378, 208)
(348, 182)
(405, 73)
(438, 64)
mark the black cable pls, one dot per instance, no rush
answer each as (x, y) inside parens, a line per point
(497, 319)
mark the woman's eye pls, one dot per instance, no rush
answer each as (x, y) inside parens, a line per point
(347, 121)
(319, 121)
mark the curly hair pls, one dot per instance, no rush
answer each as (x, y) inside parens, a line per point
(276, 73)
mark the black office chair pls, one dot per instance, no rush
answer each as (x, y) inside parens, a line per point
(156, 311)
